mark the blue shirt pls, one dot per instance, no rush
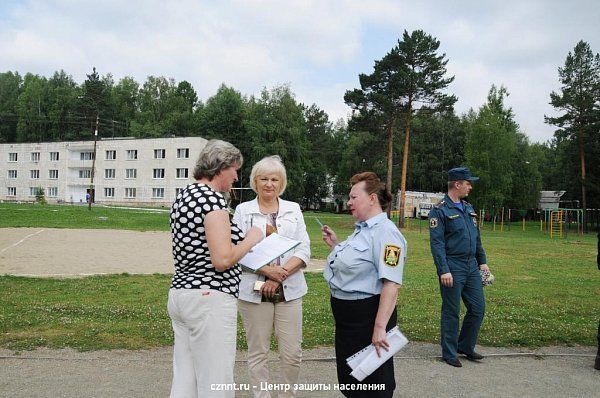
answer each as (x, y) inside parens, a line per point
(356, 267)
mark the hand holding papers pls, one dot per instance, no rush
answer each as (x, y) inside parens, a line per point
(366, 361)
(267, 250)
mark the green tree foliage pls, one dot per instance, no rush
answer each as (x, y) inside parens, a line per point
(275, 125)
(437, 145)
(526, 176)
(154, 101)
(490, 150)
(32, 109)
(410, 77)
(125, 106)
(94, 101)
(319, 148)
(11, 85)
(186, 94)
(40, 196)
(223, 116)
(62, 108)
(579, 103)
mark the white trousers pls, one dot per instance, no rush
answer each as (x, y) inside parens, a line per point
(259, 321)
(205, 326)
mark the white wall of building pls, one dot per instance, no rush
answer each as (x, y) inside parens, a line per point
(140, 171)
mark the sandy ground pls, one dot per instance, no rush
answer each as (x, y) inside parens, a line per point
(52, 252)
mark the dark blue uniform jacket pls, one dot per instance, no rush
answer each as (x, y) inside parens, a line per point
(454, 237)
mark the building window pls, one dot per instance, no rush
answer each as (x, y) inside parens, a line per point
(11, 191)
(158, 193)
(86, 156)
(182, 173)
(33, 191)
(12, 174)
(109, 192)
(53, 174)
(34, 174)
(35, 156)
(183, 153)
(130, 192)
(159, 173)
(132, 154)
(130, 173)
(111, 155)
(85, 173)
(54, 156)
(178, 191)
(109, 173)
(12, 157)
(159, 154)
(52, 192)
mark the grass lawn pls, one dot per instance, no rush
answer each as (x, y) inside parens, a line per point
(546, 291)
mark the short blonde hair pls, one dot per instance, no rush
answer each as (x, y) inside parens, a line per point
(269, 165)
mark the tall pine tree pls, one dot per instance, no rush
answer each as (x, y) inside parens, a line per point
(409, 78)
(579, 100)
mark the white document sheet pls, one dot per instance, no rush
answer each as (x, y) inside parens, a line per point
(366, 361)
(267, 250)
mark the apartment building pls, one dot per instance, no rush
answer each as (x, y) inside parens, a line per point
(126, 171)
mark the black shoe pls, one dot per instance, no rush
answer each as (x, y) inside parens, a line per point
(472, 356)
(597, 364)
(453, 362)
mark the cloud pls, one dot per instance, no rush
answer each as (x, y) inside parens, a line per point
(318, 47)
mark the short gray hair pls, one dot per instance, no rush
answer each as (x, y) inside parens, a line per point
(217, 155)
(269, 165)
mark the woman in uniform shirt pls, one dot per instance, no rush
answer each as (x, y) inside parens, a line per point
(271, 299)
(364, 273)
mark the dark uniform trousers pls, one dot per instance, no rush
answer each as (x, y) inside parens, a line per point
(456, 248)
(467, 285)
(354, 322)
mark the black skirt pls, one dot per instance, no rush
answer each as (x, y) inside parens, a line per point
(354, 322)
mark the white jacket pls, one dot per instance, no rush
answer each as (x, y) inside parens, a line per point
(290, 223)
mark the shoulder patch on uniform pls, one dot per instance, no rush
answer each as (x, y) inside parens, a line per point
(433, 222)
(391, 255)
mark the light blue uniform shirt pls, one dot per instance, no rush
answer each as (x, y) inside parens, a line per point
(357, 266)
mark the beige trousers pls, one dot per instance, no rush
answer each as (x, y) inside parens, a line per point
(205, 328)
(259, 321)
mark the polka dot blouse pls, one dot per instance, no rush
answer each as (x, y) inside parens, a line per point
(193, 267)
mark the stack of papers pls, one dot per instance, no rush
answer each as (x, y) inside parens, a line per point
(267, 250)
(366, 361)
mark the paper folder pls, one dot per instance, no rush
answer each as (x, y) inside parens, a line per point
(366, 361)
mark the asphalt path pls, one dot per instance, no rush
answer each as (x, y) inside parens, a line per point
(505, 372)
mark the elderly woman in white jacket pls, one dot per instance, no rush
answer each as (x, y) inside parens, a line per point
(275, 304)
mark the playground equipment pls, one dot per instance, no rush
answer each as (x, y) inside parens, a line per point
(558, 221)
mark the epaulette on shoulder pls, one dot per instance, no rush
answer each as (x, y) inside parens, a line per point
(439, 204)
(467, 203)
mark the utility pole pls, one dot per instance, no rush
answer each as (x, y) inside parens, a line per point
(92, 191)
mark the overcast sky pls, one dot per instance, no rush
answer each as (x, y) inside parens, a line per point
(317, 47)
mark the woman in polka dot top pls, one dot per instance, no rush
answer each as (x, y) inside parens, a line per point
(203, 296)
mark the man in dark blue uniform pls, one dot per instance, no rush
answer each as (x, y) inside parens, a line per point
(459, 256)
